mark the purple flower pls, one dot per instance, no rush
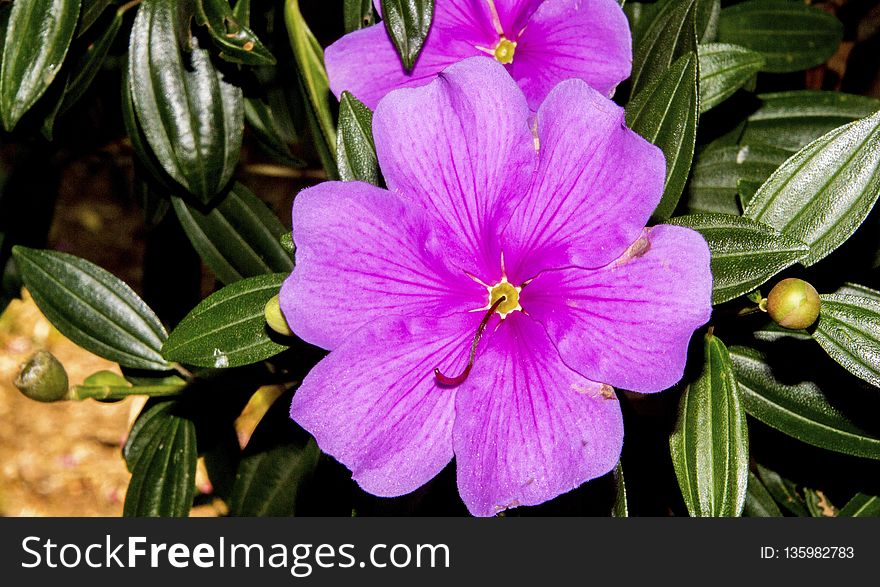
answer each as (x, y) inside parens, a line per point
(541, 43)
(546, 248)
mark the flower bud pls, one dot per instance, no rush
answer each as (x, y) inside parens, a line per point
(275, 319)
(793, 303)
(43, 378)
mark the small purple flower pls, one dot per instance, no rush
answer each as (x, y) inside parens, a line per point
(540, 42)
(544, 252)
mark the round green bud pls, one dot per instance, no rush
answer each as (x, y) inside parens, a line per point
(275, 319)
(43, 378)
(793, 303)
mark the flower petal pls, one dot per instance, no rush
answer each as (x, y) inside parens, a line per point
(363, 254)
(513, 15)
(589, 40)
(595, 188)
(629, 324)
(528, 428)
(460, 147)
(366, 63)
(374, 405)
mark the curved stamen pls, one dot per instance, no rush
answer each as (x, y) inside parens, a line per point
(459, 379)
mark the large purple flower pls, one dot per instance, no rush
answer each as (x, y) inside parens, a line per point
(541, 42)
(545, 248)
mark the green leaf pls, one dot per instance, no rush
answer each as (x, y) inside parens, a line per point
(709, 446)
(783, 491)
(620, 509)
(357, 14)
(706, 19)
(717, 172)
(791, 36)
(745, 253)
(355, 149)
(670, 35)
(106, 385)
(191, 116)
(666, 113)
(849, 331)
(824, 191)
(237, 237)
(227, 329)
(759, 502)
(314, 85)
(723, 70)
(37, 37)
(237, 42)
(800, 410)
(818, 504)
(91, 10)
(93, 308)
(161, 455)
(791, 120)
(272, 135)
(861, 506)
(279, 458)
(408, 23)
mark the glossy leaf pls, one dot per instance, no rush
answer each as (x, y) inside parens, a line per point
(709, 446)
(707, 13)
(279, 458)
(825, 191)
(357, 14)
(237, 42)
(227, 329)
(849, 331)
(790, 35)
(800, 410)
(861, 506)
(745, 253)
(90, 12)
(93, 308)
(783, 491)
(408, 23)
(161, 455)
(37, 38)
(759, 502)
(666, 113)
(191, 115)
(237, 237)
(670, 36)
(355, 149)
(723, 70)
(620, 509)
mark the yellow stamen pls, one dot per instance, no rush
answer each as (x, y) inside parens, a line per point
(510, 293)
(504, 51)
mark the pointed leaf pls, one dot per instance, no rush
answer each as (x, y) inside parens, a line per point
(358, 14)
(670, 35)
(710, 449)
(759, 502)
(861, 506)
(355, 149)
(784, 492)
(723, 70)
(93, 308)
(91, 10)
(407, 23)
(849, 331)
(620, 509)
(745, 253)
(237, 42)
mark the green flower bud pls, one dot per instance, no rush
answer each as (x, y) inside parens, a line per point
(793, 303)
(43, 378)
(275, 319)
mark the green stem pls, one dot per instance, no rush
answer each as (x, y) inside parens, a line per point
(80, 392)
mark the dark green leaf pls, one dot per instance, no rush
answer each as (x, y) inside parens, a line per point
(227, 329)
(709, 446)
(666, 113)
(93, 308)
(861, 506)
(706, 17)
(759, 502)
(783, 491)
(800, 410)
(273, 136)
(723, 70)
(37, 37)
(237, 42)
(824, 191)
(358, 14)
(818, 504)
(620, 509)
(91, 10)
(746, 190)
(849, 331)
(237, 237)
(408, 23)
(716, 174)
(191, 116)
(161, 455)
(670, 35)
(279, 458)
(355, 150)
(791, 36)
(90, 63)
(745, 253)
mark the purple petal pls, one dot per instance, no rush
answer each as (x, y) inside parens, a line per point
(462, 149)
(374, 405)
(363, 254)
(595, 188)
(629, 324)
(528, 428)
(585, 39)
(514, 14)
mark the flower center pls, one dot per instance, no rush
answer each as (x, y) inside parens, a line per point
(504, 50)
(510, 293)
